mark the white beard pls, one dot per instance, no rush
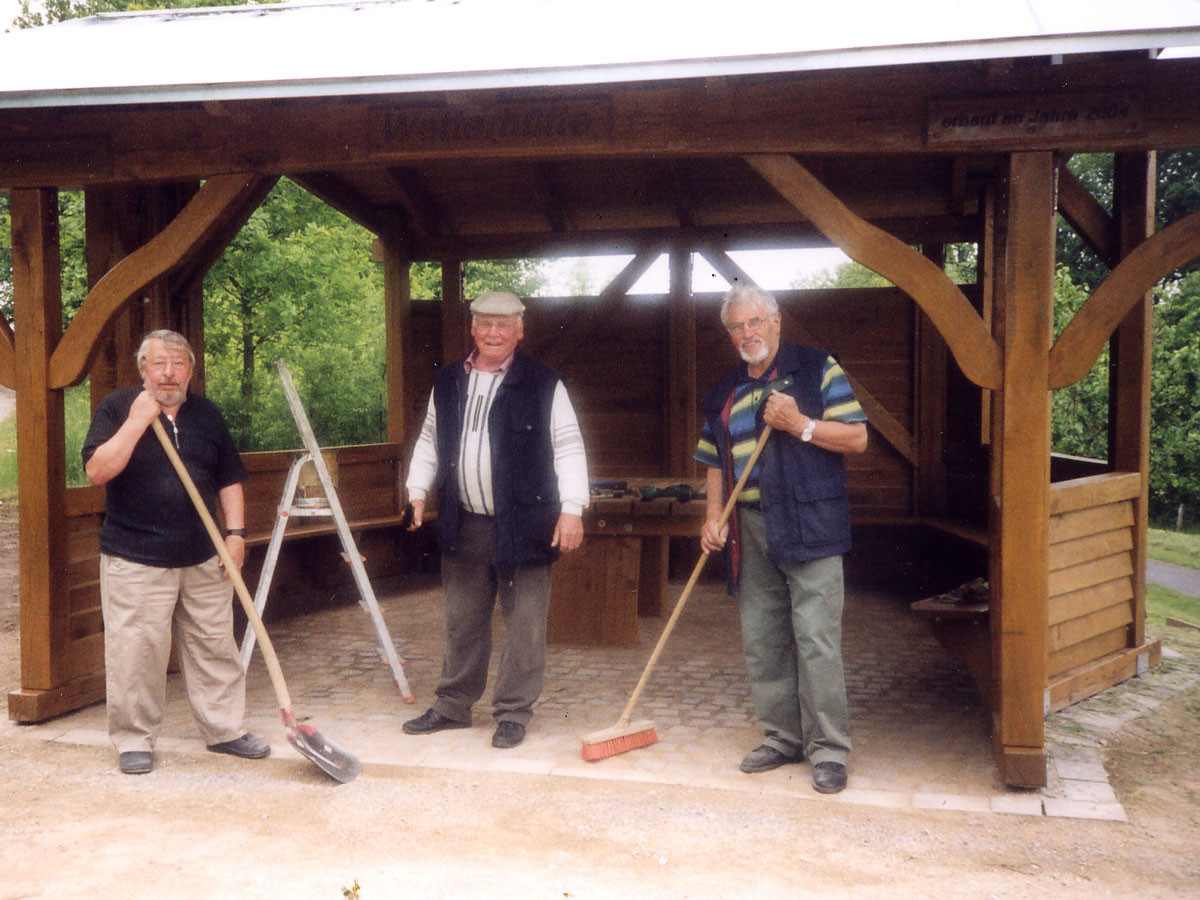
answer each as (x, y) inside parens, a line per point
(754, 357)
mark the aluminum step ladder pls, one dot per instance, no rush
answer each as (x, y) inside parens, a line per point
(327, 505)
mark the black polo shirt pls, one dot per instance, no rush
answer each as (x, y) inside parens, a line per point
(148, 516)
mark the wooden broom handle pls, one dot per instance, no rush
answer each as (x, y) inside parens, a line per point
(687, 590)
(231, 569)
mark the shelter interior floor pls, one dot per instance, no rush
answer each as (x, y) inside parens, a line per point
(919, 733)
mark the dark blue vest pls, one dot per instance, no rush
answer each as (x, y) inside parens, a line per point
(524, 485)
(804, 499)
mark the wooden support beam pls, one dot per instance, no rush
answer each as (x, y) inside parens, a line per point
(204, 220)
(887, 425)
(1021, 474)
(791, 235)
(1090, 220)
(41, 477)
(682, 397)
(974, 349)
(1134, 183)
(335, 191)
(682, 197)
(1079, 345)
(397, 319)
(455, 316)
(553, 204)
(418, 204)
(562, 347)
(931, 371)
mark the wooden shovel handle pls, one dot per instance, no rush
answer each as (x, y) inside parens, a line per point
(231, 569)
(687, 590)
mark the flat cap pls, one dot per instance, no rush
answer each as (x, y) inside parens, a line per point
(497, 303)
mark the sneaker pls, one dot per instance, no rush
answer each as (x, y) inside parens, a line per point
(430, 721)
(508, 734)
(764, 759)
(829, 777)
(136, 762)
(248, 746)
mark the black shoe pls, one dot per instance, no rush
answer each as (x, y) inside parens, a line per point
(248, 746)
(764, 759)
(430, 721)
(508, 734)
(829, 777)
(136, 762)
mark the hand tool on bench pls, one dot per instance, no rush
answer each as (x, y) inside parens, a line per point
(309, 743)
(681, 492)
(626, 735)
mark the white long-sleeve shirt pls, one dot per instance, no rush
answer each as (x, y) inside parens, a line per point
(474, 462)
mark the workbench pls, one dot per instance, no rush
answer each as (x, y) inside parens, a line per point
(621, 570)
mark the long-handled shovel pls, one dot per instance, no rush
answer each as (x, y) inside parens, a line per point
(332, 759)
(626, 735)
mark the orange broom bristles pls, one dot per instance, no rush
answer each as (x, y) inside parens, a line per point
(618, 739)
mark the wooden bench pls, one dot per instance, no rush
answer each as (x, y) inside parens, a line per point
(962, 626)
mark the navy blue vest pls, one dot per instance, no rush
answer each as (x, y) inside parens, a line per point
(524, 484)
(804, 499)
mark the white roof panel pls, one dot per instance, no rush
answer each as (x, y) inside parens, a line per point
(399, 46)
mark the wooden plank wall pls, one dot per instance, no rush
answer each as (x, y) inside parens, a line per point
(367, 488)
(617, 378)
(1091, 569)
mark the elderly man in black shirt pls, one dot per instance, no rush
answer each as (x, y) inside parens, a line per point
(159, 571)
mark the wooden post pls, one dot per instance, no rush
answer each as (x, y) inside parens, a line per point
(1021, 471)
(397, 318)
(933, 359)
(112, 218)
(1134, 183)
(37, 319)
(680, 378)
(455, 327)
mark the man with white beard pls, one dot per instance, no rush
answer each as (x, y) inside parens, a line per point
(784, 544)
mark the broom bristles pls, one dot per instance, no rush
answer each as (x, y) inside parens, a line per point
(618, 739)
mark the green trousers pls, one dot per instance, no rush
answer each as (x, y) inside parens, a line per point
(792, 640)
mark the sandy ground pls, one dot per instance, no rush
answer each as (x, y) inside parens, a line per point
(205, 826)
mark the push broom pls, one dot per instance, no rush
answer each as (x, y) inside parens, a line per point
(627, 735)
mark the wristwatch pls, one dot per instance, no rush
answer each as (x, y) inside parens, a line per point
(807, 433)
(235, 532)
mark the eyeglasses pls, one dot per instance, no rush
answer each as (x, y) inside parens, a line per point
(755, 324)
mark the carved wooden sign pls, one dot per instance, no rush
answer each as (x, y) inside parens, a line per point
(583, 123)
(1016, 119)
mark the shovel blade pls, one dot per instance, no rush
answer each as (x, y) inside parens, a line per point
(330, 758)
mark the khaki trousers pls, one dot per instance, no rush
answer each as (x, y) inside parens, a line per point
(143, 606)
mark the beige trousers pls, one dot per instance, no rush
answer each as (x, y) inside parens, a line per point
(143, 606)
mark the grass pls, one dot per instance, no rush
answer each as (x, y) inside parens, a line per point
(1162, 602)
(77, 412)
(1175, 547)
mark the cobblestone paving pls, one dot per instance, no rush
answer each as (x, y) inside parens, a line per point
(920, 735)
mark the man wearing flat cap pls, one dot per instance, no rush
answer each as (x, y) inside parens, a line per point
(502, 448)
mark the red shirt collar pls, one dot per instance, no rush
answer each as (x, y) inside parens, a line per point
(470, 363)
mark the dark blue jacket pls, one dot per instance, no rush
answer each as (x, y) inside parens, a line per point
(803, 488)
(524, 484)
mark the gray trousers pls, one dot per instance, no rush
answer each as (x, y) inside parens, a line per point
(792, 640)
(472, 587)
(143, 606)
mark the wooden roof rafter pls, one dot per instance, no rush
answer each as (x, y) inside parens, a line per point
(554, 206)
(336, 192)
(424, 216)
(1088, 217)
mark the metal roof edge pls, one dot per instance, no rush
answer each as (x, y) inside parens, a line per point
(657, 70)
